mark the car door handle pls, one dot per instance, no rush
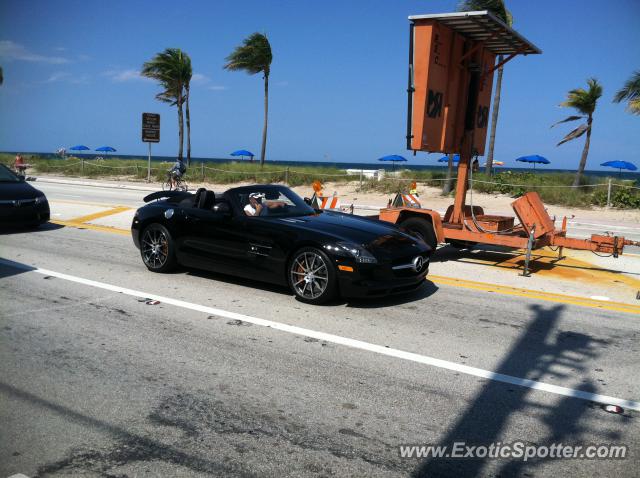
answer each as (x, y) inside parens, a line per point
(191, 218)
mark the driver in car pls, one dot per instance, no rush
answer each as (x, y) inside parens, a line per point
(255, 207)
(258, 206)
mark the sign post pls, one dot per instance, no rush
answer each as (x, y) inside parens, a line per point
(150, 134)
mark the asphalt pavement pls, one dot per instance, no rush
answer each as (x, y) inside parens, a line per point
(216, 376)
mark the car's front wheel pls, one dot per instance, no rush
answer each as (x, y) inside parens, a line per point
(312, 276)
(157, 248)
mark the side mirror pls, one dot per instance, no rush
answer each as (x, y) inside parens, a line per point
(222, 208)
(307, 200)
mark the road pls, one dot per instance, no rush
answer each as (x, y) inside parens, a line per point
(224, 377)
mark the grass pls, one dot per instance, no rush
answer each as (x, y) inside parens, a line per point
(511, 183)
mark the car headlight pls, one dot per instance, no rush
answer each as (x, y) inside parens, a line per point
(41, 199)
(354, 250)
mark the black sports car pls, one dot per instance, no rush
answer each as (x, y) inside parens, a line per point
(20, 203)
(268, 233)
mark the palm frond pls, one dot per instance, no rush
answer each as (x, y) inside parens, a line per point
(497, 7)
(631, 93)
(172, 69)
(566, 120)
(633, 106)
(253, 56)
(584, 100)
(576, 133)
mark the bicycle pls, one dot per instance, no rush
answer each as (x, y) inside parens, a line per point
(174, 183)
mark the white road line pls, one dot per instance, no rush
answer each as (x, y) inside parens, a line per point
(353, 343)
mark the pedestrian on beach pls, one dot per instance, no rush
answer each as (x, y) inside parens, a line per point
(19, 164)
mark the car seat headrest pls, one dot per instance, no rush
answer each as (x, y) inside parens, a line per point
(198, 195)
(209, 200)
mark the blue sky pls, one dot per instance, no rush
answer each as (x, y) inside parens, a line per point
(338, 77)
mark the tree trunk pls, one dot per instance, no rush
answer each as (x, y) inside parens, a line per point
(180, 126)
(585, 153)
(446, 187)
(266, 112)
(494, 119)
(188, 127)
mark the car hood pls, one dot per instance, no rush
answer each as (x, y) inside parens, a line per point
(18, 191)
(377, 236)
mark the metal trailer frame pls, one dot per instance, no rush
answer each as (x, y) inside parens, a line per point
(462, 223)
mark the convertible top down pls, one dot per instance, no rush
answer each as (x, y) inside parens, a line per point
(269, 233)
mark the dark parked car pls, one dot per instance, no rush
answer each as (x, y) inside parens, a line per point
(268, 233)
(20, 203)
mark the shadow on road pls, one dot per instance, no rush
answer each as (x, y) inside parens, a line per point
(131, 447)
(427, 289)
(9, 268)
(47, 226)
(540, 351)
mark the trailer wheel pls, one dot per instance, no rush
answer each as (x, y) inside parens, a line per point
(421, 228)
(462, 244)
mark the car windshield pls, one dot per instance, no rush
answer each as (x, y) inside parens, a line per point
(7, 176)
(272, 202)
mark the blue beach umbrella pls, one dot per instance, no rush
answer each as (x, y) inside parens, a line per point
(445, 159)
(394, 158)
(620, 165)
(243, 153)
(106, 149)
(534, 159)
(79, 147)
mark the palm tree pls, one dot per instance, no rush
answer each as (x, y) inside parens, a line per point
(585, 102)
(254, 56)
(498, 8)
(630, 92)
(172, 69)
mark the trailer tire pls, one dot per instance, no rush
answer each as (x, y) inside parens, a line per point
(462, 244)
(422, 228)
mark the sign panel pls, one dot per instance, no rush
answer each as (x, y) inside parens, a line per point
(441, 64)
(150, 127)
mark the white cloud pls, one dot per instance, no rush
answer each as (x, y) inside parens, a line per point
(120, 76)
(217, 88)
(58, 76)
(10, 51)
(66, 77)
(200, 78)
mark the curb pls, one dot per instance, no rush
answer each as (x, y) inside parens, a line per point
(93, 184)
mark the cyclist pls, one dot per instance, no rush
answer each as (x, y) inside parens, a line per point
(176, 172)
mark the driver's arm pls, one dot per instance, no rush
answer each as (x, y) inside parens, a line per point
(275, 204)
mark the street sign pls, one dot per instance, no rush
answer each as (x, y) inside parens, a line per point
(150, 127)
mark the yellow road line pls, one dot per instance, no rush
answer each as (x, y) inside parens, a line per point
(93, 227)
(82, 203)
(98, 215)
(533, 294)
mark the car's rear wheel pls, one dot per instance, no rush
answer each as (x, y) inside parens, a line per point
(423, 229)
(157, 248)
(312, 276)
